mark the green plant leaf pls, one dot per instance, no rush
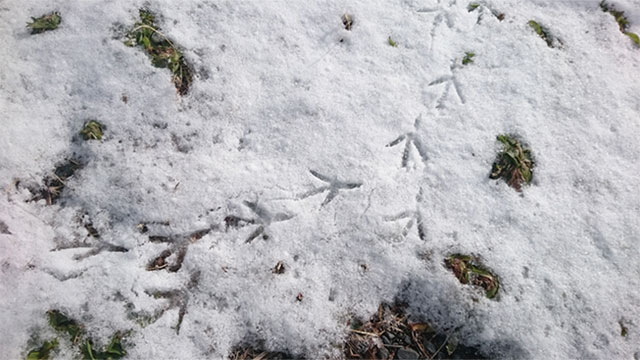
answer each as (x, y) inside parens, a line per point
(391, 42)
(535, 26)
(472, 6)
(145, 42)
(43, 352)
(633, 37)
(114, 350)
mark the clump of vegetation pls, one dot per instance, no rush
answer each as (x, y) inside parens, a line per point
(468, 270)
(113, 350)
(623, 22)
(55, 183)
(542, 32)
(62, 322)
(248, 352)
(43, 352)
(92, 130)
(390, 334)
(468, 58)
(163, 52)
(472, 6)
(514, 163)
(391, 42)
(44, 23)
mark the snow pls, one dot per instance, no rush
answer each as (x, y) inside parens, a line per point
(283, 90)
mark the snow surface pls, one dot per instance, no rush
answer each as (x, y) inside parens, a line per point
(281, 88)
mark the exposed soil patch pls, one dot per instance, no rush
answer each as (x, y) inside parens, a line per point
(55, 183)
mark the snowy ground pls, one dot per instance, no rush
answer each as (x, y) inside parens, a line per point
(281, 89)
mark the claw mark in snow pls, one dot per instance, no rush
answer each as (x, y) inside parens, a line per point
(179, 246)
(448, 80)
(410, 138)
(415, 218)
(442, 16)
(177, 299)
(264, 219)
(103, 246)
(334, 186)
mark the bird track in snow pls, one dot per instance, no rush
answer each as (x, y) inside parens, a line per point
(449, 81)
(334, 187)
(411, 138)
(415, 218)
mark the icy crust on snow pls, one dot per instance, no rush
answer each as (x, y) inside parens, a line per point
(288, 125)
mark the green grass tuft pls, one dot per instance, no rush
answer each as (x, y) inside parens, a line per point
(623, 22)
(473, 6)
(45, 23)
(468, 270)
(514, 163)
(468, 58)
(92, 130)
(391, 42)
(162, 51)
(43, 352)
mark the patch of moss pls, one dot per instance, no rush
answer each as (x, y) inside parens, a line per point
(514, 164)
(468, 270)
(44, 23)
(162, 51)
(92, 130)
(43, 352)
(468, 58)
